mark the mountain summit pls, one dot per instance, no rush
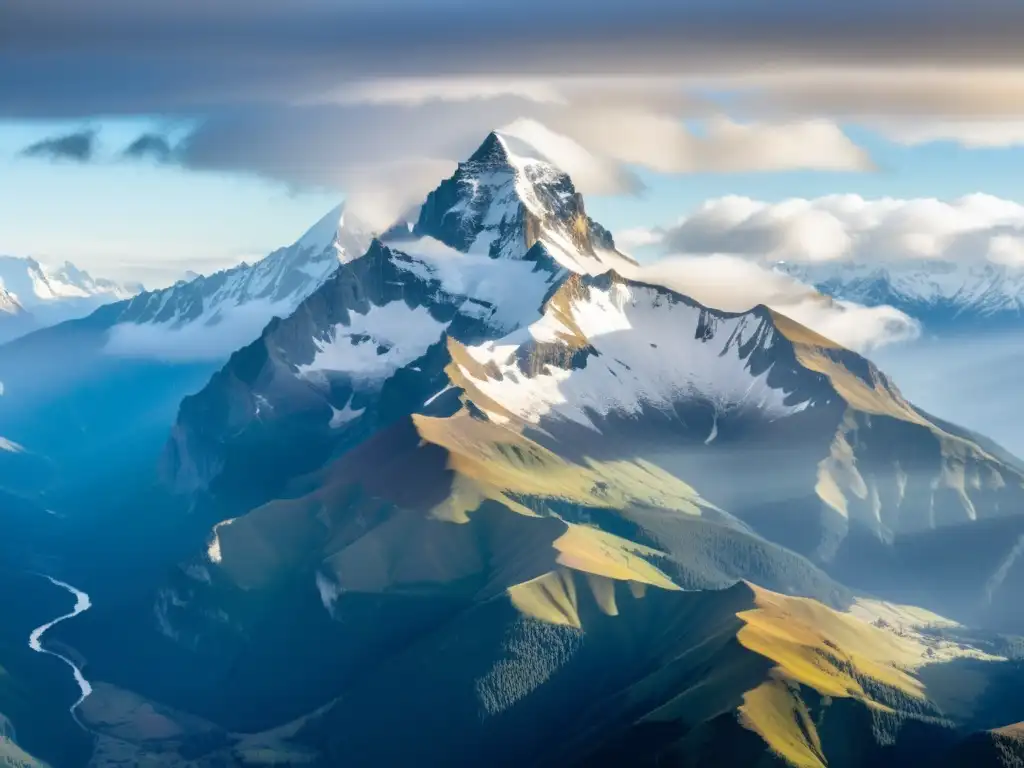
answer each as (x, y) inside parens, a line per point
(488, 245)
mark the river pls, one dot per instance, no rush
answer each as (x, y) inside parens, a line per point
(35, 641)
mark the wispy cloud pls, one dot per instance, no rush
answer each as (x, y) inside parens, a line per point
(79, 147)
(151, 146)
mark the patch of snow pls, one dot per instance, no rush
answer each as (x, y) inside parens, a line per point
(375, 345)
(340, 417)
(10, 446)
(512, 288)
(329, 590)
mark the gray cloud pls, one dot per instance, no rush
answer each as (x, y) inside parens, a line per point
(79, 147)
(120, 56)
(153, 146)
(341, 94)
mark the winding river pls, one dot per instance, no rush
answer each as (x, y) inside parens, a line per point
(35, 641)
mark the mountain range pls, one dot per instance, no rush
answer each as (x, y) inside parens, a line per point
(943, 295)
(472, 495)
(34, 296)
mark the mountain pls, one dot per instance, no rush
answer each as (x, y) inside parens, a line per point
(487, 247)
(480, 490)
(478, 498)
(50, 295)
(106, 386)
(943, 295)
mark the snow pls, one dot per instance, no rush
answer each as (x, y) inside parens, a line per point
(983, 288)
(515, 291)
(340, 417)
(647, 355)
(376, 344)
(329, 591)
(9, 445)
(322, 234)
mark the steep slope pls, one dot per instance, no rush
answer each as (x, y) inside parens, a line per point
(488, 245)
(835, 462)
(943, 295)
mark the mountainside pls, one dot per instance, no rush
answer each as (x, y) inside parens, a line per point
(47, 296)
(524, 540)
(482, 500)
(489, 244)
(939, 293)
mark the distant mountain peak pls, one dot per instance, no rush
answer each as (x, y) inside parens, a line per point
(936, 292)
(43, 295)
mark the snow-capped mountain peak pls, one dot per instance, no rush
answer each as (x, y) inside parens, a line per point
(34, 284)
(506, 199)
(210, 316)
(934, 291)
(40, 295)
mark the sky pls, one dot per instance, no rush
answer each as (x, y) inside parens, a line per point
(143, 139)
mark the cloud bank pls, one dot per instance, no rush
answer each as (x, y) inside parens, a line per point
(976, 228)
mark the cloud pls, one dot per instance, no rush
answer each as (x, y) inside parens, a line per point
(79, 147)
(975, 228)
(972, 380)
(592, 173)
(302, 93)
(152, 146)
(734, 284)
(340, 147)
(195, 341)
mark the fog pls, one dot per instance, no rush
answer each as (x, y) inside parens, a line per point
(972, 380)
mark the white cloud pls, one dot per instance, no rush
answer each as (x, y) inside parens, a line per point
(973, 134)
(195, 341)
(592, 174)
(851, 228)
(665, 143)
(420, 90)
(735, 284)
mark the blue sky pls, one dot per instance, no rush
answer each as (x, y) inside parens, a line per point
(151, 222)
